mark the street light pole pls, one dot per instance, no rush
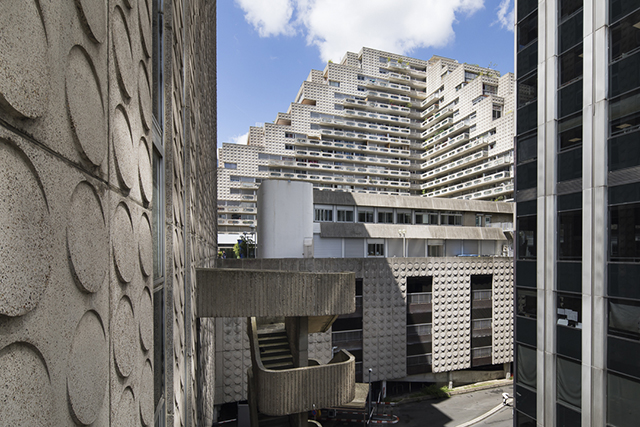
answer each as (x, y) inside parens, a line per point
(369, 401)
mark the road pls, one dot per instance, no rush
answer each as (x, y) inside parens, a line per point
(456, 410)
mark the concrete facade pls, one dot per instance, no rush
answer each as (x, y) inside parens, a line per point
(380, 123)
(82, 115)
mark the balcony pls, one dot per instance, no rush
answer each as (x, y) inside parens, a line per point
(458, 164)
(433, 129)
(447, 145)
(453, 153)
(453, 130)
(490, 193)
(383, 95)
(431, 99)
(440, 115)
(387, 85)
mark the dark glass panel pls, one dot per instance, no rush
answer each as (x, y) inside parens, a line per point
(624, 319)
(526, 176)
(567, 8)
(624, 233)
(527, 30)
(527, 227)
(526, 274)
(419, 348)
(526, 331)
(526, 303)
(623, 280)
(620, 8)
(625, 36)
(525, 400)
(569, 202)
(347, 324)
(525, 7)
(570, 32)
(569, 342)
(569, 276)
(523, 420)
(569, 310)
(526, 366)
(570, 164)
(528, 59)
(570, 99)
(526, 208)
(419, 284)
(567, 417)
(622, 401)
(570, 64)
(569, 132)
(569, 235)
(527, 118)
(527, 90)
(569, 380)
(627, 193)
(622, 356)
(624, 151)
(624, 113)
(527, 147)
(419, 318)
(624, 75)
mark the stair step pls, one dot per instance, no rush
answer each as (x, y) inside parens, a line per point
(274, 352)
(278, 365)
(275, 358)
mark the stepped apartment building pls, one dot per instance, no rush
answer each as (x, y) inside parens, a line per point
(578, 213)
(380, 123)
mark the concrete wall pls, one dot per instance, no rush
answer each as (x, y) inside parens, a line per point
(76, 246)
(384, 311)
(285, 215)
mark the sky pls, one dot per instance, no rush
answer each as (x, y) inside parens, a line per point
(266, 48)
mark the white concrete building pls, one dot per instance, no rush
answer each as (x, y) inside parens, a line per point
(380, 123)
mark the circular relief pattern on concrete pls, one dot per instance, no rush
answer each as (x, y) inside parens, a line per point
(24, 71)
(122, 53)
(145, 319)
(26, 392)
(124, 333)
(123, 147)
(126, 414)
(92, 15)
(88, 369)
(85, 106)
(145, 174)
(87, 239)
(145, 27)
(25, 234)
(144, 96)
(123, 244)
(145, 246)
(146, 399)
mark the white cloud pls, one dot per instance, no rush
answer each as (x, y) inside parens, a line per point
(506, 15)
(338, 26)
(269, 18)
(240, 139)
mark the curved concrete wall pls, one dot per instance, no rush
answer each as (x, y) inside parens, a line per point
(285, 218)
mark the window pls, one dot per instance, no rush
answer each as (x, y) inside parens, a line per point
(385, 217)
(497, 111)
(451, 218)
(230, 165)
(345, 215)
(375, 249)
(288, 135)
(468, 76)
(334, 83)
(526, 226)
(323, 214)
(262, 168)
(526, 303)
(289, 147)
(569, 310)
(487, 221)
(365, 215)
(403, 217)
(478, 220)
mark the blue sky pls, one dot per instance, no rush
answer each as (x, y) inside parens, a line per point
(266, 48)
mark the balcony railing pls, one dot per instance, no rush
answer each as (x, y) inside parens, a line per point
(419, 298)
(346, 336)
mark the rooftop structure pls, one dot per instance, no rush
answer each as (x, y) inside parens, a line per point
(380, 123)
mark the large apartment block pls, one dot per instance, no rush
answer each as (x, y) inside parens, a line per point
(380, 123)
(578, 213)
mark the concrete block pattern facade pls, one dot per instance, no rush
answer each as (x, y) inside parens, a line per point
(76, 246)
(385, 309)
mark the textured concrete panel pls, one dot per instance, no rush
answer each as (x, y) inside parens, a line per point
(26, 394)
(87, 239)
(146, 399)
(123, 148)
(88, 369)
(124, 63)
(145, 246)
(25, 261)
(124, 250)
(24, 73)
(125, 337)
(93, 17)
(85, 105)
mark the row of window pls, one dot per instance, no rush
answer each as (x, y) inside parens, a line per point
(392, 216)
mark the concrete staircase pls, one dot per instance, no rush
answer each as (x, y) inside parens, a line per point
(275, 352)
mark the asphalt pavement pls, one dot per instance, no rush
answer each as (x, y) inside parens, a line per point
(456, 410)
